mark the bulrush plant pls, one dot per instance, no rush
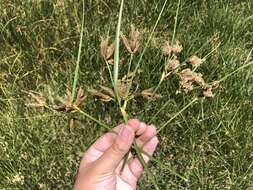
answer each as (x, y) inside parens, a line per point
(123, 90)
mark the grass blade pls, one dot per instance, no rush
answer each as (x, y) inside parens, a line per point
(175, 24)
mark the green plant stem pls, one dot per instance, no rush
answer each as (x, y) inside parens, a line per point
(235, 71)
(178, 113)
(163, 107)
(110, 72)
(116, 55)
(175, 24)
(78, 59)
(139, 155)
(163, 76)
(95, 120)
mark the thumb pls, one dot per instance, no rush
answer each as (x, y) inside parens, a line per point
(111, 158)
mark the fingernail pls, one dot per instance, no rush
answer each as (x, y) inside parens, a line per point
(125, 133)
(142, 124)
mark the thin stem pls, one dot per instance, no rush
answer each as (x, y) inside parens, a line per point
(178, 113)
(175, 24)
(211, 51)
(78, 58)
(95, 120)
(116, 54)
(110, 72)
(139, 155)
(160, 82)
(235, 71)
(154, 116)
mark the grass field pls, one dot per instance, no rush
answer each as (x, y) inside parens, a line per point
(209, 144)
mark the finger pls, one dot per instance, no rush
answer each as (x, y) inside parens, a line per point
(149, 148)
(134, 123)
(148, 134)
(128, 177)
(111, 158)
(135, 165)
(142, 129)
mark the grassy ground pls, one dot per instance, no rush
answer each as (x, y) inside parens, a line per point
(210, 143)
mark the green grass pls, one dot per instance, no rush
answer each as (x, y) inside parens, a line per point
(210, 143)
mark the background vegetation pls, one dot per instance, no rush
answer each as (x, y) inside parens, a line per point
(210, 143)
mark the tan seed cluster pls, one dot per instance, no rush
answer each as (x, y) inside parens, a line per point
(149, 94)
(107, 50)
(107, 94)
(175, 49)
(195, 61)
(172, 66)
(189, 77)
(133, 43)
(67, 105)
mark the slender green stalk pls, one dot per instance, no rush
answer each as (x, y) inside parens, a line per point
(207, 55)
(78, 59)
(163, 76)
(172, 42)
(175, 24)
(235, 71)
(139, 155)
(110, 72)
(163, 107)
(116, 74)
(95, 120)
(116, 54)
(178, 113)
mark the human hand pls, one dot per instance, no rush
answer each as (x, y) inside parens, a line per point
(101, 164)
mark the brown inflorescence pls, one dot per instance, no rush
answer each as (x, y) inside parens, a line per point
(133, 43)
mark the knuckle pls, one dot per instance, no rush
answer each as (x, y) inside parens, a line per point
(118, 147)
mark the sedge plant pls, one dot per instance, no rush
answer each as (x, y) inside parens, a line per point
(121, 90)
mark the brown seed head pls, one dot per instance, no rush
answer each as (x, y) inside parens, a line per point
(149, 94)
(208, 93)
(107, 50)
(199, 80)
(67, 105)
(132, 45)
(187, 77)
(215, 84)
(166, 49)
(79, 98)
(173, 65)
(195, 61)
(177, 48)
(103, 97)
